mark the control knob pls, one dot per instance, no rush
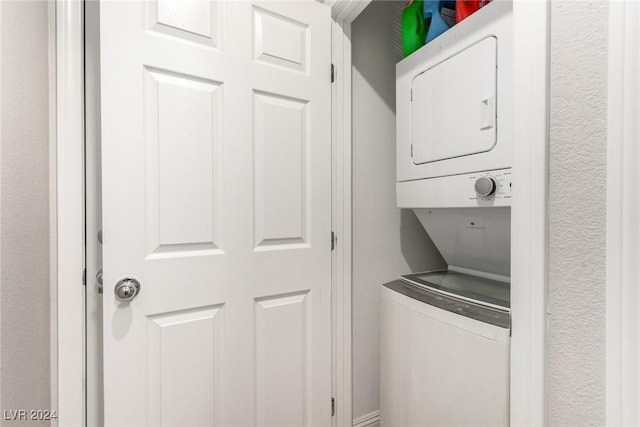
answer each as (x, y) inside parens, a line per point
(485, 186)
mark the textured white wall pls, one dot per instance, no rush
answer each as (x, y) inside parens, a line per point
(24, 208)
(386, 241)
(577, 208)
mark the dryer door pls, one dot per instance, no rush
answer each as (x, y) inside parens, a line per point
(453, 105)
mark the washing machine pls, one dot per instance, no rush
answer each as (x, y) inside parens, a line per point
(444, 350)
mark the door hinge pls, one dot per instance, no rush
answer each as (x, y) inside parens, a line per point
(333, 73)
(84, 277)
(333, 407)
(412, 151)
(333, 240)
(411, 95)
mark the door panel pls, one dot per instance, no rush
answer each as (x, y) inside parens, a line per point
(190, 394)
(283, 333)
(280, 40)
(216, 197)
(193, 20)
(182, 183)
(281, 133)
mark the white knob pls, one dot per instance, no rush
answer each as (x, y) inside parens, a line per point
(485, 186)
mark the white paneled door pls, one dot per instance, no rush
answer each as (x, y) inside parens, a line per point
(216, 199)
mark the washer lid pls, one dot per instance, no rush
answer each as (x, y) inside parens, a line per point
(453, 305)
(467, 287)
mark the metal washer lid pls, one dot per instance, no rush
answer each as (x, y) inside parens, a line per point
(477, 312)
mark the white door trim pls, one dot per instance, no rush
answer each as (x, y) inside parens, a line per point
(529, 205)
(529, 213)
(623, 202)
(343, 13)
(70, 211)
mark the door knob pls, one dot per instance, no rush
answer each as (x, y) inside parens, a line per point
(127, 289)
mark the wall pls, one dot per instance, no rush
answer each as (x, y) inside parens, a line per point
(387, 241)
(24, 208)
(577, 208)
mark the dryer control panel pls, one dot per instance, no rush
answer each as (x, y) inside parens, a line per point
(477, 189)
(491, 185)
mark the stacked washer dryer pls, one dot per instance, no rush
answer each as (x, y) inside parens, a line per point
(445, 334)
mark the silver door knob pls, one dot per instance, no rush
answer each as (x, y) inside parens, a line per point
(127, 289)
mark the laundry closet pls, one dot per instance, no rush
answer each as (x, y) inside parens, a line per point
(432, 186)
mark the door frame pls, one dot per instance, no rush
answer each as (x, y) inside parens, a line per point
(343, 13)
(529, 217)
(68, 34)
(623, 201)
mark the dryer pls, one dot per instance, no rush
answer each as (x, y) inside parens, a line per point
(454, 112)
(454, 139)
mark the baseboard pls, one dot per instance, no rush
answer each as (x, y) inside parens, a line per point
(367, 420)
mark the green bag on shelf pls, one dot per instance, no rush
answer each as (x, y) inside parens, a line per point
(414, 27)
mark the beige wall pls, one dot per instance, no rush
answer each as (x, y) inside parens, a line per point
(577, 209)
(387, 241)
(24, 208)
